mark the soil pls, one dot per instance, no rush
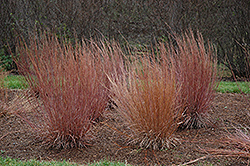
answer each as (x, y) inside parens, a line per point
(17, 140)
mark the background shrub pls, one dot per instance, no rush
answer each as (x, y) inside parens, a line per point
(224, 23)
(3, 92)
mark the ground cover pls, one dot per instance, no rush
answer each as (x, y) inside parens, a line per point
(19, 141)
(5, 161)
(234, 87)
(15, 82)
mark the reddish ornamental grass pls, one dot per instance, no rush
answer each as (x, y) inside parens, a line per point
(196, 72)
(236, 144)
(71, 85)
(146, 99)
(152, 92)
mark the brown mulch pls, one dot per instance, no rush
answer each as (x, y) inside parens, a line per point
(17, 140)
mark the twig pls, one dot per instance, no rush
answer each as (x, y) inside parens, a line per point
(156, 158)
(145, 158)
(116, 130)
(9, 133)
(193, 161)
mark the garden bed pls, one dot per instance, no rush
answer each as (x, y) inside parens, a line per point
(18, 140)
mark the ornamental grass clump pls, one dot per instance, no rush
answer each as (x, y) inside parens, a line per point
(70, 84)
(146, 95)
(236, 144)
(196, 71)
(241, 142)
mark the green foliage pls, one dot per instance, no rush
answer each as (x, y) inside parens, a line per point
(6, 60)
(15, 82)
(233, 87)
(108, 163)
(8, 161)
(19, 82)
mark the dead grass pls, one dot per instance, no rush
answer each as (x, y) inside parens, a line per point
(235, 144)
(196, 71)
(146, 95)
(71, 85)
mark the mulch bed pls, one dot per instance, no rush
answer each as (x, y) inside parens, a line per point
(17, 140)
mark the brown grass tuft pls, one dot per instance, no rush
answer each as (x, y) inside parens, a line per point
(236, 144)
(146, 100)
(196, 71)
(71, 85)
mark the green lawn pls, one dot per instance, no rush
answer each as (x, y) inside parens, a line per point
(234, 87)
(14, 162)
(18, 82)
(15, 82)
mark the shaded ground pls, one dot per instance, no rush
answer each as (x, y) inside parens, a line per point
(17, 140)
